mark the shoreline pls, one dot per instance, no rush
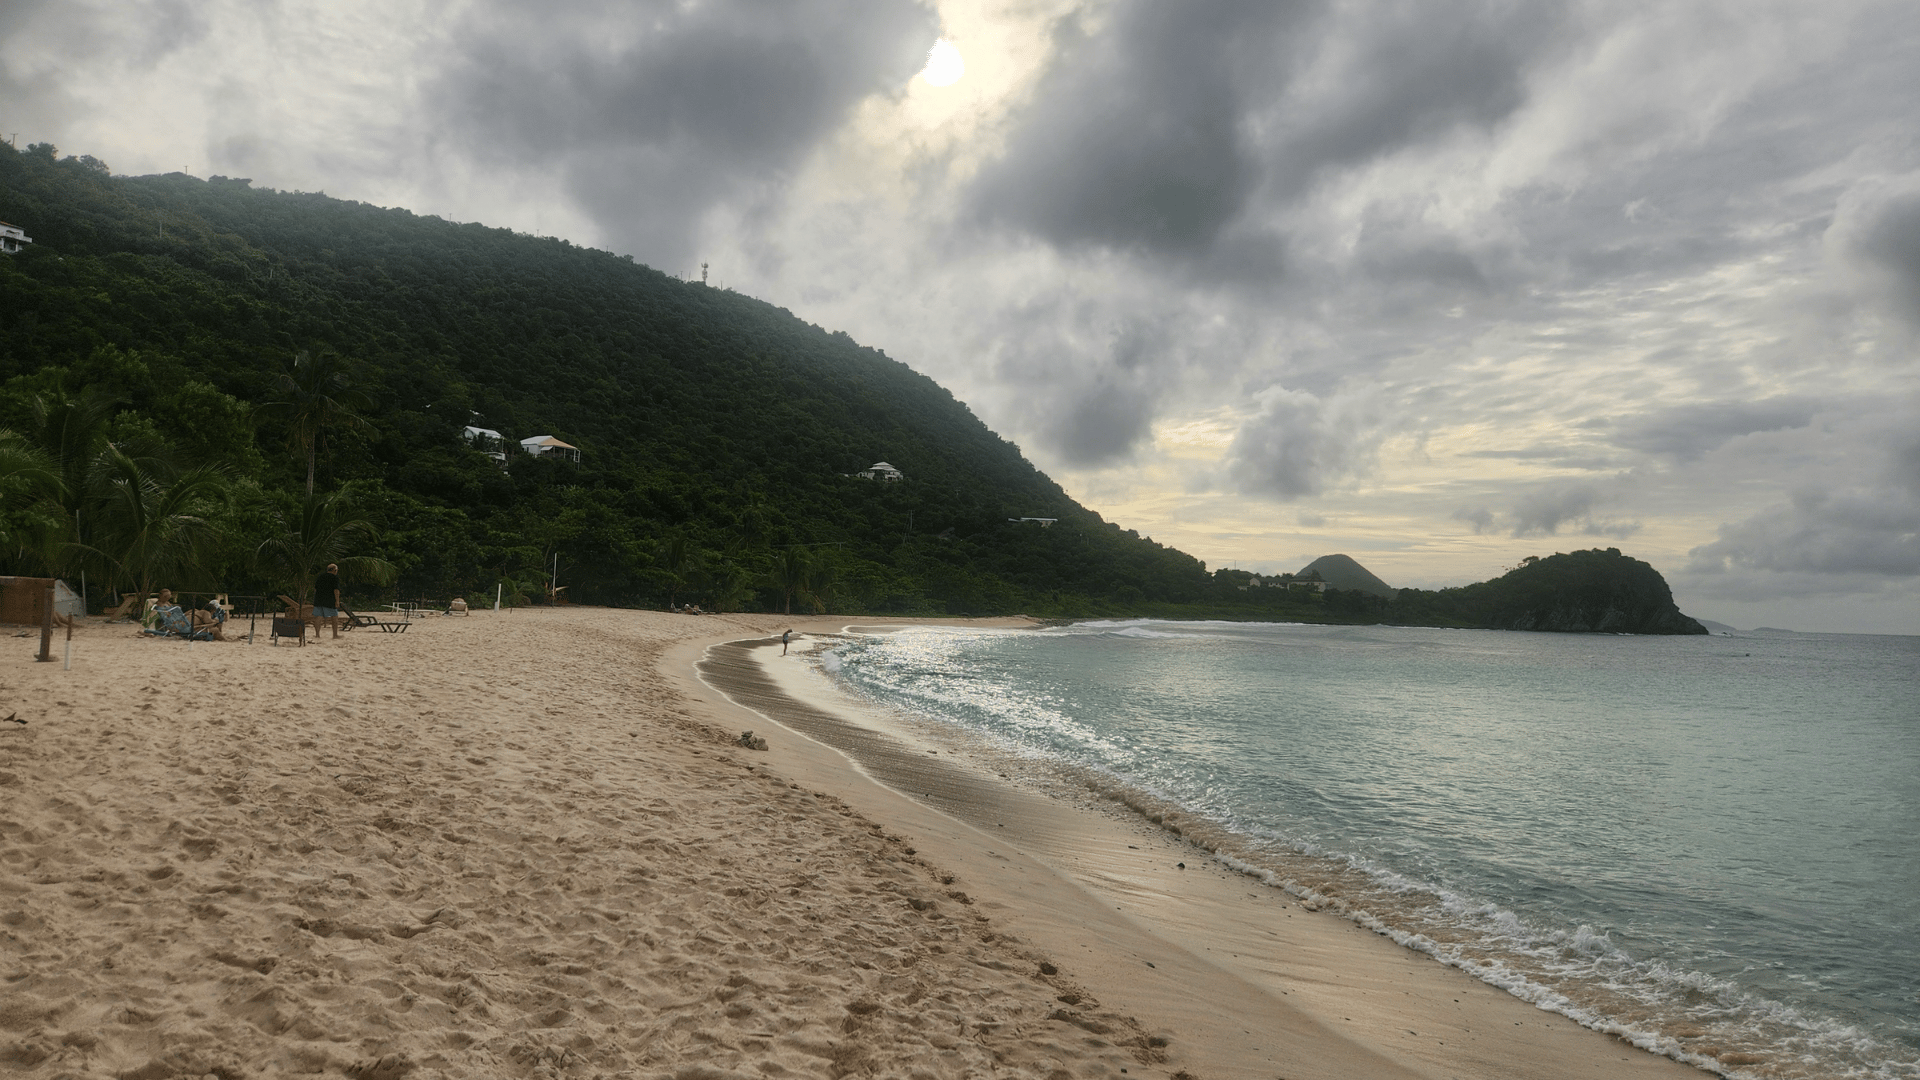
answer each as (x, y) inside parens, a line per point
(1257, 982)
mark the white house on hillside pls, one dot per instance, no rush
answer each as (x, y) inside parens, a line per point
(12, 237)
(880, 470)
(489, 442)
(542, 445)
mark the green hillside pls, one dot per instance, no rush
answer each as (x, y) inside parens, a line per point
(1591, 591)
(715, 429)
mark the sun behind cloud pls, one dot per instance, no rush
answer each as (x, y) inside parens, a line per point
(944, 64)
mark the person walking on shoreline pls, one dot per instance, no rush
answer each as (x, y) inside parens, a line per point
(326, 597)
(784, 639)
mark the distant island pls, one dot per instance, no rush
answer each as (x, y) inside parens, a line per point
(1600, 591)
(1596, 591)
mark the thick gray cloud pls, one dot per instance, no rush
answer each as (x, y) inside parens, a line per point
(1134, 139)
(657, 111)
(1479, 517)
(1857, 534)
(1688, 432)
(1296, 445)
(1820, 532)
(1091, 404)
(1177, 129)
(1891, 241)
(1546, 512)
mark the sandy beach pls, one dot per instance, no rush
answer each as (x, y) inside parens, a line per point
(528, 844)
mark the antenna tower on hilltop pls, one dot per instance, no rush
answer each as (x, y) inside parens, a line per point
(703, 273)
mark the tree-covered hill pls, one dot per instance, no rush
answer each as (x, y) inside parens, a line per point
(716, 430)
(1581, 592)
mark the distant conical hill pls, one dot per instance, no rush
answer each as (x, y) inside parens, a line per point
(1342, 572)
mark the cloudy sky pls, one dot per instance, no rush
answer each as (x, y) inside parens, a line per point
(1438, 285)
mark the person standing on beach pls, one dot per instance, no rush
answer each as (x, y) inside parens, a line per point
(784, 638)
(326, 597)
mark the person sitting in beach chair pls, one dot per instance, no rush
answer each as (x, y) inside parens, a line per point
(168, 620)
(150, 612)
(211, 621)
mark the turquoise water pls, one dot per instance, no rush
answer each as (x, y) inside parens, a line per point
(1710, 845)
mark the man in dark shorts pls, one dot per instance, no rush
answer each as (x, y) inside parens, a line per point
(326, 597)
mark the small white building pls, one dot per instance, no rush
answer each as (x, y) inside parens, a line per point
(880, 470)
(489, 442)
(12, 238)
(543, 445)
(1044, 522)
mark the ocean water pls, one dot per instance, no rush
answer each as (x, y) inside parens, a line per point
(1709, 845)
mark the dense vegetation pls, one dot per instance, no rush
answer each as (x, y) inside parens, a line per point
(1583, 591)
(716, 430)
(210, 385)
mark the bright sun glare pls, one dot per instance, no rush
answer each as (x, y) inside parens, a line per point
(944, 66)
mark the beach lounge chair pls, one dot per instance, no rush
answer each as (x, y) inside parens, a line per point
(284, 626)
(351, 619)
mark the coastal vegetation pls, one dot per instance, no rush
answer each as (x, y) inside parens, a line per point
(188, 365)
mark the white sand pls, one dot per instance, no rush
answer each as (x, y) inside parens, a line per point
(521, 845)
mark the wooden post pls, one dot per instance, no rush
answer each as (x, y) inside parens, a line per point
(46, 627)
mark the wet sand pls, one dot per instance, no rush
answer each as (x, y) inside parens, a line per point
(524, 844)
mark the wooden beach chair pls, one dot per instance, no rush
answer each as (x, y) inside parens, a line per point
(298, 610)
(129, 606)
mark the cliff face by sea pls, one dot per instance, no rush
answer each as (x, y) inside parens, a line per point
(1596, 591)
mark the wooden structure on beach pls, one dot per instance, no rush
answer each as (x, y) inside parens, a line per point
(23, 600)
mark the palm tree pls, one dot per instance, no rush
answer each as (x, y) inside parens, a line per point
(72, 431)
(69, 432)
(728, 584)
(144, 524)
(792, 573)
(323, 530)
(823, 586)
(678, 563)
(31, 521)
(314, 394)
